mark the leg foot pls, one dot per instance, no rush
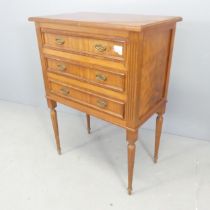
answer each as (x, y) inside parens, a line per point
(131, 139)
(59, 151)
(159, 122)
(129, 191)
(88, 122)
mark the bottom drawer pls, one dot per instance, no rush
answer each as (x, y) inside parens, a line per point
(107, 105)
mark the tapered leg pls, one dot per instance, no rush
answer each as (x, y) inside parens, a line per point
(53, 114)
(159, 122)
(88, 122)
(131, 139)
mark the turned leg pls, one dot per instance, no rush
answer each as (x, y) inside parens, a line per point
(131, 139)
(88, 122)
(52, 105)
(159, 122)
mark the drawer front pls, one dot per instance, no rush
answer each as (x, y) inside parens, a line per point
(111, 80)
(81, 45)
(104, 104)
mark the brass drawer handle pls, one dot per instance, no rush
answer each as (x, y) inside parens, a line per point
(101, 103)
(65, 91)
(100, 48)
(59, 41)
(101, 77)
(61, 67)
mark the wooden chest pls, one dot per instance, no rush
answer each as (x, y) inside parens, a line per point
(114, 67)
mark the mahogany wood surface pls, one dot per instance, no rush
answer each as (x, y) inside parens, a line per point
(103, 20)
(52, 105)
(159, 123)
(115, 67)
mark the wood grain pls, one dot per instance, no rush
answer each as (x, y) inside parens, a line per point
(115, 67)
(134, 63)
(104, 104)
(159, 122)
(52, 105)
(112, 80)
(131, 139)
(154, 68)
(83, 45)
(126, 22)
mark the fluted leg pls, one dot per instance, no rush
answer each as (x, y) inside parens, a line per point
(88, 122)
(159, 122)
(53, 114)
(131, 139)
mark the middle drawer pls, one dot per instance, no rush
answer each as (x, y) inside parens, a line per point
(105, 78)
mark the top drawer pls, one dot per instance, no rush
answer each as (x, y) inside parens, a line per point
(85, 45)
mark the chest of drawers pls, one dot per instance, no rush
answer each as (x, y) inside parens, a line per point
(114, 67)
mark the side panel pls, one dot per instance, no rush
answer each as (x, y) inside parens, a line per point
(157, 52)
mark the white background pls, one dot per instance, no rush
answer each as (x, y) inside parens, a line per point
(188, 111)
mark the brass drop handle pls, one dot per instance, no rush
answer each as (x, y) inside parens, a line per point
(101, 103)
(61, 67)
(59, 41)
(101, 77)
(65, 91)
(100, 48)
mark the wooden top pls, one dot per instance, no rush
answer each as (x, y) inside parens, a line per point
(106, 20)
